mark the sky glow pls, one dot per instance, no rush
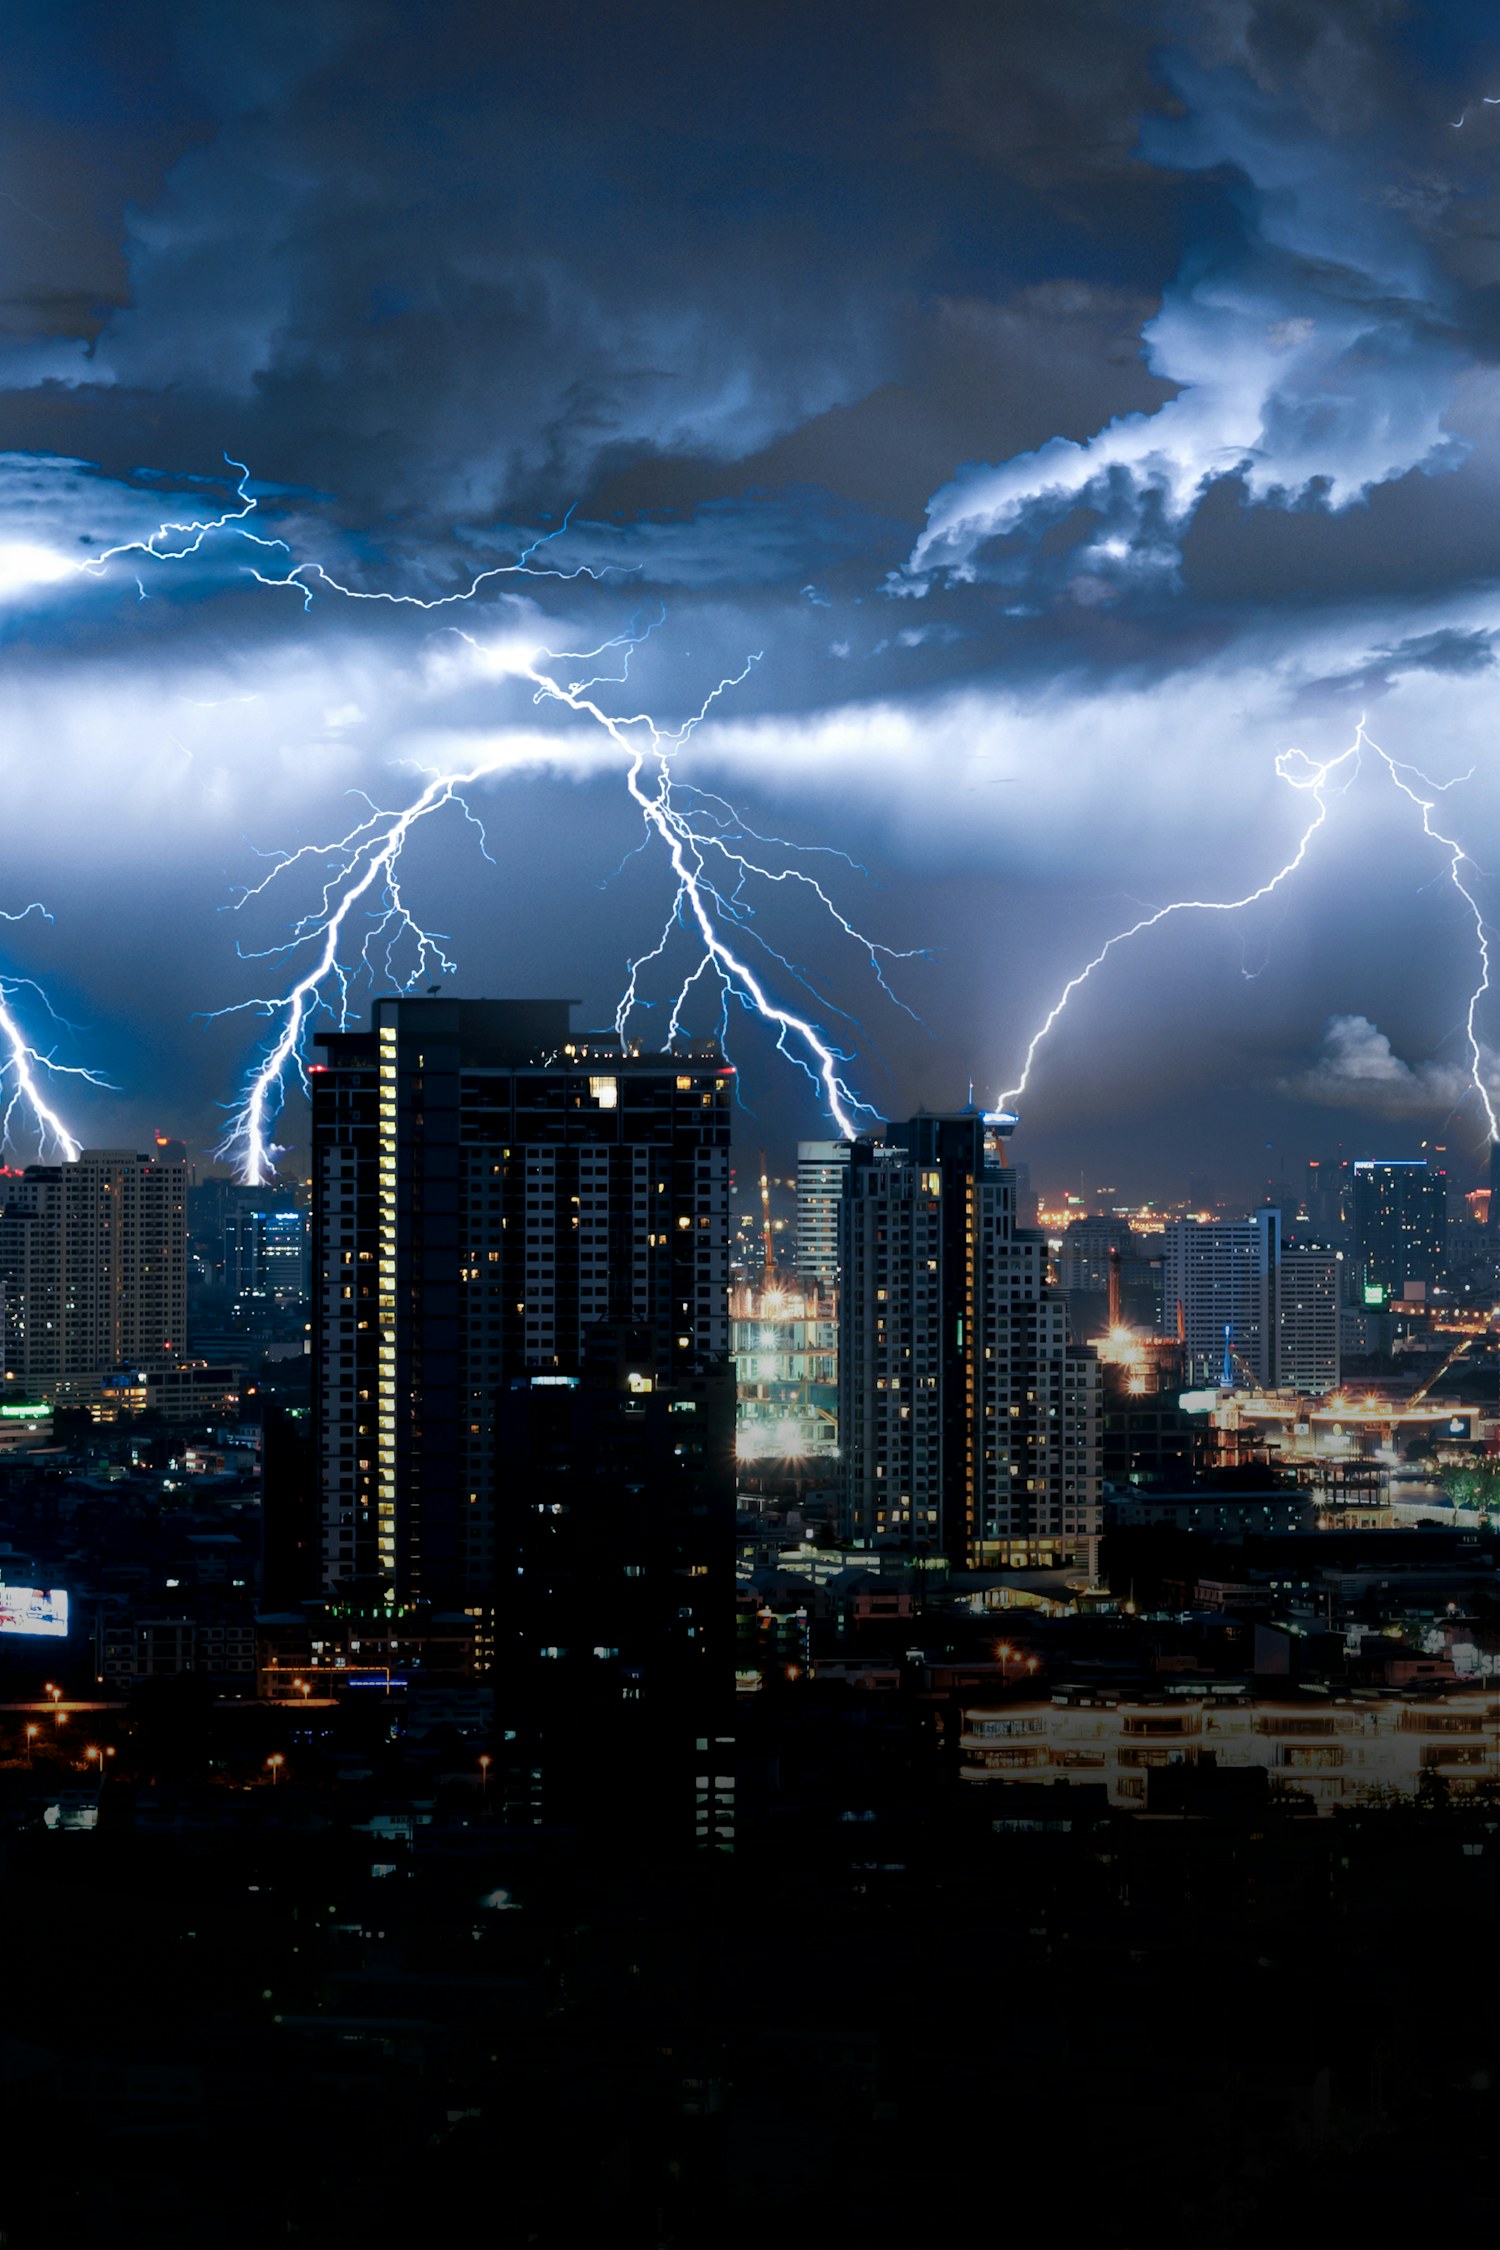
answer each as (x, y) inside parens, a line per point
(978, 487)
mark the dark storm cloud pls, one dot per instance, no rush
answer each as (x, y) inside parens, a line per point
(1447, 650)
(1182, 318)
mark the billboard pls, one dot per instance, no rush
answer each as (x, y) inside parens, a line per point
(28, 1609)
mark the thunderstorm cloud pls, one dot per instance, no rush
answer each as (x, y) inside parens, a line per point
(1358, 1069)
(1044, 418)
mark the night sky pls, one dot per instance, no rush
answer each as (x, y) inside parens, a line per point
(1071, 408)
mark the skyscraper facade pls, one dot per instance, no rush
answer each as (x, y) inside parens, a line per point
(486, 1189)
(821, 1166)
(1400, 1222)
(93, 1260)
(1308, 1320)
(1219, 1287)
(969, 1421)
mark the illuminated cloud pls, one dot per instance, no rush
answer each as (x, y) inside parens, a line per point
(1358, 1069)
(1308, 350)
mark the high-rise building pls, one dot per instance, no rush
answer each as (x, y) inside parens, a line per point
(1308, 1299)
(1083, 1259)
(487, 1188)
(1219, 1291)
(786, 1355)
(968, 1420)
(821, 1166)
(265, 1253)
(93, 1261)
(1400, 1223)
(613, 1661)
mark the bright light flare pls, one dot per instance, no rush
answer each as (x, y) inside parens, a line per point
(23, 566)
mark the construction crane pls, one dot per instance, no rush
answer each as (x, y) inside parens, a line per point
(768, 1268)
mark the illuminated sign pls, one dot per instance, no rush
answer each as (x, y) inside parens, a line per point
(24, 1413)
(1374, 1293)
(27, 1609)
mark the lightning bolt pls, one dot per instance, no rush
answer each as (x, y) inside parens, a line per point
(1459, 868)
(1315, 779)
(360, 926)
(713, 881)
(24, 1067)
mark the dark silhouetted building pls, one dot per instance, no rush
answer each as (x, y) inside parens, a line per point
(290, 1522)
(487, 1188)
(969, 1420)
(614, 1613)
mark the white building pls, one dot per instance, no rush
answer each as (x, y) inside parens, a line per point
(1220, 1281)
(1335, 1751)
(1308, 1321)
(93, 1258)
(821, 1166)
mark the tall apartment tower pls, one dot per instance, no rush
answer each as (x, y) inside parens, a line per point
(821, 1166)
(486, 1189)
(93, 1261)
(1220, 1286)
(968, 1420)
(1400, 1222)
(1308, 1320)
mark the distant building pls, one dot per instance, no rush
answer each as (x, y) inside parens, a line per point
(784, 1335)
(1219, 1291)
(265, 1253)
(1083, 1259)
(1308, 1320)
(1145, 1438)
(1400, 1224)
(1335, 1751)
(93, 1262)
(821, 1166)
(968, 1420)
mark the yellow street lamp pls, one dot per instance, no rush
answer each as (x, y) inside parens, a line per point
(485, 1763)
(276, 1761)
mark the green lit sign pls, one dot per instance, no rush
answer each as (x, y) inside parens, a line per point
(23, 1413)
(1374, 1293)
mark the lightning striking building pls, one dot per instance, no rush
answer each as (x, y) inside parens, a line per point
(93, 1261)
(969, 1420)
(487, 1189)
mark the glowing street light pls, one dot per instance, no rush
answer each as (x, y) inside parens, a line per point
(276, 1761)
(485, 1763)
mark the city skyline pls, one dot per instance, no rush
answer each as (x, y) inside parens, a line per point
(1057, 468)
